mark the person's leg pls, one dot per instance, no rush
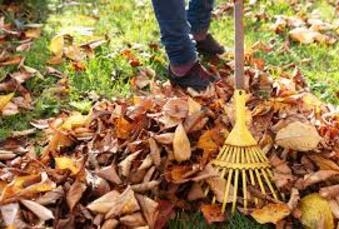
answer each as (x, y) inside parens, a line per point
(199, 16)
(185, 69)
(175, 32)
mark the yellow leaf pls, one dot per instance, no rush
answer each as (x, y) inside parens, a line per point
(57, 45)
(75, 120)
(298, 136)
(271, 213)
(181, 144)
(316, 212)
(5, 99)
(66, 163)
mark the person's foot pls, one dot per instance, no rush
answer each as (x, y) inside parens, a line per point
(197, 77)
(209, 46)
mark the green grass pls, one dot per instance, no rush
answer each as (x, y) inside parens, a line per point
(131, 24)
(196, 221)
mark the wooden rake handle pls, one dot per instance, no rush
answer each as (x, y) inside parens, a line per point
(239, 44)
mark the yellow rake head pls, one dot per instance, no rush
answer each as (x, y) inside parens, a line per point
(241, 162)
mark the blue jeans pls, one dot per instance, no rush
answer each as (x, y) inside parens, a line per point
(176, 24)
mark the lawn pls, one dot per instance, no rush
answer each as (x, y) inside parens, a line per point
(130, 24)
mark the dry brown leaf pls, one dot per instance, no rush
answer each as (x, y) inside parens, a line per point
(329, 191)
(133, 220)
(13, 60)
(176, 108)
(316, 212)
(195, 192)
(271, 213)
(149, 209)
(74, 194)
(318, 176)
(52, 196)
(193, 106)
(181, 144)
(146, 163)
(154, 151)
(110, 224)
(109, 173)
(105, 203)
(146, 186)
(294, 199)
(324, 164)
(298, 136)
(125, 165)
(9, 212)
(166, 138)
(307, 36)
(334, 207)
(212, 213)
(125, 203)
(39, 210)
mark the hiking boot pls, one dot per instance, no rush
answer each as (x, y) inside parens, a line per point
(209, 46)
(197, 78)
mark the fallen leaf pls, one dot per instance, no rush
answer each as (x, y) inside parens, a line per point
(307, 36)
(193, 106)
(176, 108)
(74, 193)
(324, 164)
(9, 212)
(329, 191)
(318, 176)
(109, 173)
(57, 45)
(39, 210)
(125, 165)
(166, 209)
(154, 151)
(125, 203)
(105, 203)
(5, 99)
(67, 163)
(271, 213)
(315, 211)
(149, 209)
(134, 220)
(110, 224)
(298, 136)
(146, 186)
(14, 60)
(75, 120)
(195, 192)
(123, 128)
(181, 144)
(166, 138)
(212, 213)
(51, 197)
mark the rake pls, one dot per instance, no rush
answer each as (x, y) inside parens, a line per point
(241, 162)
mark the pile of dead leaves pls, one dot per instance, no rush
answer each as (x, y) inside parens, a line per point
(132, 162)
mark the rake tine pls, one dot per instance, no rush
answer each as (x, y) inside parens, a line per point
(228, 184)
(236, 179)
(257, 154)
(244, 185)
